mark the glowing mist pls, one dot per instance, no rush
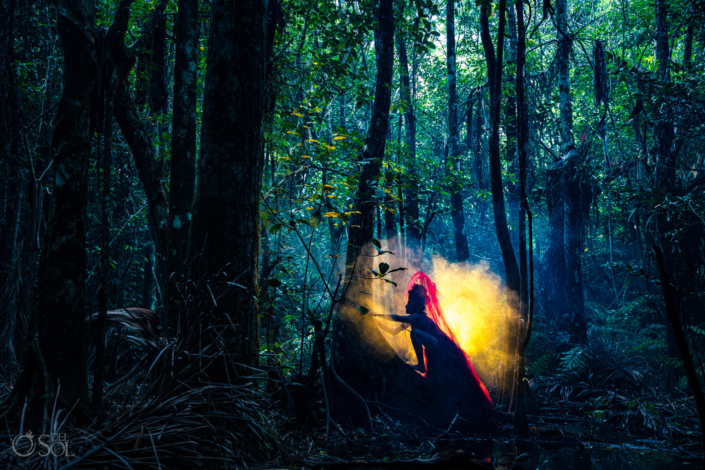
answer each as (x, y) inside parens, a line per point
(474, 303)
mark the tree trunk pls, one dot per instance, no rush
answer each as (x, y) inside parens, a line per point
(574, 312)
(554, 261)
(361, 355)
(55, 361)
(9, 127)
(665, 164)
(411, 196)
(157, 60)
(145, 157)
(99, 365)
(494, 71)
(526, 297)
(479, 163)
(676, 329)
(456, 191)
(147, 299)
(688, 46)
(226, 220)
(132, 127)
(511, 129)
(183, 152)
(390, 225)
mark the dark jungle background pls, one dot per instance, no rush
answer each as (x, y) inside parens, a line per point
(203, 203)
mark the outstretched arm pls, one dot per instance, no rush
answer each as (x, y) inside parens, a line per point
(414, 320)
(393, 331)
(393, 317)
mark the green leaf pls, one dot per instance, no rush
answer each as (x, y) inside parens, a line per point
(363, 310)
(383, 268)
(376, 243)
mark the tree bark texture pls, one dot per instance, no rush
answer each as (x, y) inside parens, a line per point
(56, 357)
(556, 277)
(182, 177)
(456, 192)
(225, 227)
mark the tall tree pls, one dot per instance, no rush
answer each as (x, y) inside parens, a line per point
(182, 177)
(55, 361)
(526, 297)
(456, 192)
(665, 163)
(495, 66)
(225, 227)
(361, 229)
(361, 355)
(411, 196)
(574, 313)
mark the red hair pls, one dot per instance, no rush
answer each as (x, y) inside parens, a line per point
(434, 311)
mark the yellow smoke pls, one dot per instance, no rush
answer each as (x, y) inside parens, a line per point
(473, 300)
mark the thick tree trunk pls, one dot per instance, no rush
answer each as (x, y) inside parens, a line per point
(456, 191)
(556, 302)
(55, 361)
(182, 177)
(226, 220)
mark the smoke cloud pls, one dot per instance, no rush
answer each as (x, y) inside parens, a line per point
(474, 302)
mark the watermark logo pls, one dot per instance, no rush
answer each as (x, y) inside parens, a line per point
(56, 444)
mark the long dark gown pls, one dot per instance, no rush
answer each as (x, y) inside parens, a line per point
(453, 375)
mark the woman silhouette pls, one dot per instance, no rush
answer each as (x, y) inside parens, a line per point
(441, 358)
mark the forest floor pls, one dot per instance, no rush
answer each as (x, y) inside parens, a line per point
(575, 427)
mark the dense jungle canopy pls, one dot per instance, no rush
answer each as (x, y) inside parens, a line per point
(209, 209)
